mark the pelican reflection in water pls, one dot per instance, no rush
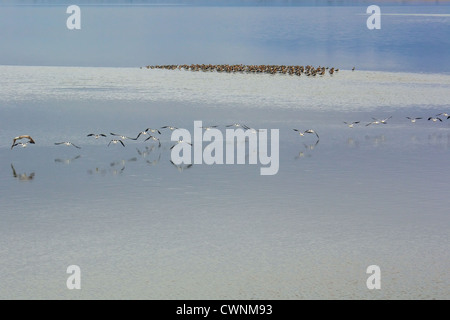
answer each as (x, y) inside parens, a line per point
(67, 161)
(22, 176)
(181, 168)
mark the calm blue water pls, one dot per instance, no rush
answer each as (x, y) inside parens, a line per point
(141, 228)
(414, 39)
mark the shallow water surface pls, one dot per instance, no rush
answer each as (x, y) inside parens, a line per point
(140, 227)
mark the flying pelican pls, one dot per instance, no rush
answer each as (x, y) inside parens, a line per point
(146, 131)
(350, 125)
(169, 127)
(373, 122)
(445, 114)
(383, 121)
(123, 137)
(306, 131)
(96, 135)
(180, 141)
(253, 130)
(115, 141)
(67, 143)
(152, 130)
(209, 127)
(413, 119)
(22, 144)
(434, 119)
(236, 125)
(378, 121)
(141, 133)
(30, 140)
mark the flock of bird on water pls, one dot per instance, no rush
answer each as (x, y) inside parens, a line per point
(270, 69)
(151, 133)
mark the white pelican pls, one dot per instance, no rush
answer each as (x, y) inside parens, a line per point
(22, 144)
(302, 133)
(96, 135)
(351, 124)
(115, 141)
(123, 137)
(30, 140)
(152, 130)
(67, 143)
(169, 127)
(413, 119)
(180, 141)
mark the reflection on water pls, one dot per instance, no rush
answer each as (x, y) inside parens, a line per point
(352, 143)
(376, 140)
(142, 227)
(306, 151)
(315, 215)
(180, 167)
(22, 176)
(252, 35)
(67, 160)
(155, 161)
